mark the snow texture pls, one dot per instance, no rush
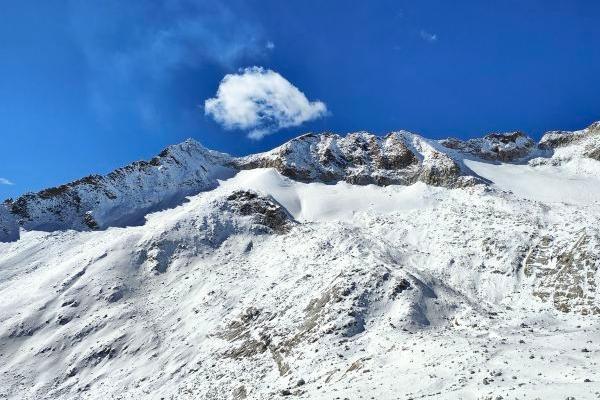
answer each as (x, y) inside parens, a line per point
(356, 278)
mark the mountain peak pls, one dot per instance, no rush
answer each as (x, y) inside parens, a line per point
(125, 195)
(362, 158)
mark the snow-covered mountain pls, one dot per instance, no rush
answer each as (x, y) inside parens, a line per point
(126, 195)
(330, 267)
(400, 158)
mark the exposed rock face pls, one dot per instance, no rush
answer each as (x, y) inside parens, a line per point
(441, 170)
(592, 147)
(566, 145)
(263, 210)
(495, 146)
(361, 158)
(566, 272)
(555, 139)
(125, 195)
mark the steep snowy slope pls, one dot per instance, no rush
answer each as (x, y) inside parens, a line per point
(261, 286)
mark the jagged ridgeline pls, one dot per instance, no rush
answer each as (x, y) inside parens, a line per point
(124, 196)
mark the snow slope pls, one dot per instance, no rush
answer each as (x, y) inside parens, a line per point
(324, 202)
(545, 183)
(260, 286)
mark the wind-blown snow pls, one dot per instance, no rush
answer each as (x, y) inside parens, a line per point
(322, 202)
(543, 183)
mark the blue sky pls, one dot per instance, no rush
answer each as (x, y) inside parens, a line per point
(86, 87)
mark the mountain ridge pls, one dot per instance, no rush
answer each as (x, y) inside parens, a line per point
(124, 196)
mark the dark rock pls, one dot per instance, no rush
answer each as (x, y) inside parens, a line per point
(116, 295)
(71, 302)
(555, 139)
(264, 210)
(400, 287)
(593, 153)
(441, 171)
(494, 146)
(64, 319)
(89, 221)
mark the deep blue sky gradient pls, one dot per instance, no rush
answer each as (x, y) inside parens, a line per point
(86, 87)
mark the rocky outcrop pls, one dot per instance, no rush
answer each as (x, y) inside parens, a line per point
(503, 147)
(555, 139)
(400, 158)
(358, 158)
(565, 146)
(263, 210)
(440, 170)
(566, 272)
(593, 152)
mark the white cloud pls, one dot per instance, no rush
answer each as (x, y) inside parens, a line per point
(430, 37)
(270, 45)
(4, 181)
(261, 101)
